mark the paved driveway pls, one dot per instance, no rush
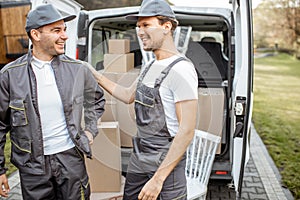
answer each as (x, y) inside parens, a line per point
(261, 179)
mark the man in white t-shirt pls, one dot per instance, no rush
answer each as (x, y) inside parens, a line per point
(165, 97)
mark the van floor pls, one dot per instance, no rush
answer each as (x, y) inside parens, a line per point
(219, 189)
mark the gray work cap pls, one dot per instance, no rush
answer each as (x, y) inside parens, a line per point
(44, 15)
(151, 8)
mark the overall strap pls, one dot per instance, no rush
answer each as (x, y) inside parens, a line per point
(166, 71)
(145, 71)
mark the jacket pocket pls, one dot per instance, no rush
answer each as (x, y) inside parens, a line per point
(18, 113)
(21, 150)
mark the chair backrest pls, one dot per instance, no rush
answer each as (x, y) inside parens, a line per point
(208, 39)
(215, 52)
(208, 60)
(200, 156)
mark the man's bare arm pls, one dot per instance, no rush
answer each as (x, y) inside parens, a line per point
(124, 94)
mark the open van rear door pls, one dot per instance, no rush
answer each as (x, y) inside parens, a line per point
(242, 97)
(66, 7)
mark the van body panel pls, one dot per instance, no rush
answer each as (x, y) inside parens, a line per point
(242, 88)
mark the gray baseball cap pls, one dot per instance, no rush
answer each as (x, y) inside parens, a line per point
(43, 15)
(151, 8)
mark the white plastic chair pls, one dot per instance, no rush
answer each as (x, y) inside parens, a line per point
(200, 157)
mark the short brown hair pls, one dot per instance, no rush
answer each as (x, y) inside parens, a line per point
(164, 19)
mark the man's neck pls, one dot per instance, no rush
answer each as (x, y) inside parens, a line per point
(165, 53)
(41, 56)
(168, 49)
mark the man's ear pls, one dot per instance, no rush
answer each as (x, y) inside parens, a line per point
(35, 34)
(168, 25)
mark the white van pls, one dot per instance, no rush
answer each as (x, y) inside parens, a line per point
(218, 40)
(217, 37)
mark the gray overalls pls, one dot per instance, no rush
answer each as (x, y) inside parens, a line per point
(152, 143)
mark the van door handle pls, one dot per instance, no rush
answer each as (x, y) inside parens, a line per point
(238, 130)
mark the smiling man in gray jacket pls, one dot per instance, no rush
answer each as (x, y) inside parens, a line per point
(43, 94)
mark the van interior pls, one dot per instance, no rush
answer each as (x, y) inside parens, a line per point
(206, 41)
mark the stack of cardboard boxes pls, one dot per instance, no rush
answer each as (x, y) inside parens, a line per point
(118, 58)
(117, 124)
(119, 67)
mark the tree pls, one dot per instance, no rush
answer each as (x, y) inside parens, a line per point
(278, 22)
(292, 15)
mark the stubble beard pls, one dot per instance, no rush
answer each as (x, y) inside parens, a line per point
(155, 45)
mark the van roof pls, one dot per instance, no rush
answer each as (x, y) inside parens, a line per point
(203, 3)
(179, 10)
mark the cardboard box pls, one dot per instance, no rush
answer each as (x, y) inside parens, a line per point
(109, 195)
(126, 112)
(111, 76)
(126, 119)
(211, 111)
(105, 168)
(118, 46)
(125, 79)
(118, 62)
(110, 113)
(128, 78)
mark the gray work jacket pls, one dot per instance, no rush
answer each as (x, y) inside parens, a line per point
(19, 113)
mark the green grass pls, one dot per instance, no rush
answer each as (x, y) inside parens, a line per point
(11, 167)
(276, 114)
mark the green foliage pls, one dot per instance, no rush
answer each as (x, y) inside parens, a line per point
(11, 167)
(276, 114)
(277, 22)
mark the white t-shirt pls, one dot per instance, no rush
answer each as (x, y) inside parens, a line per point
(56, 137)
(180, 84)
